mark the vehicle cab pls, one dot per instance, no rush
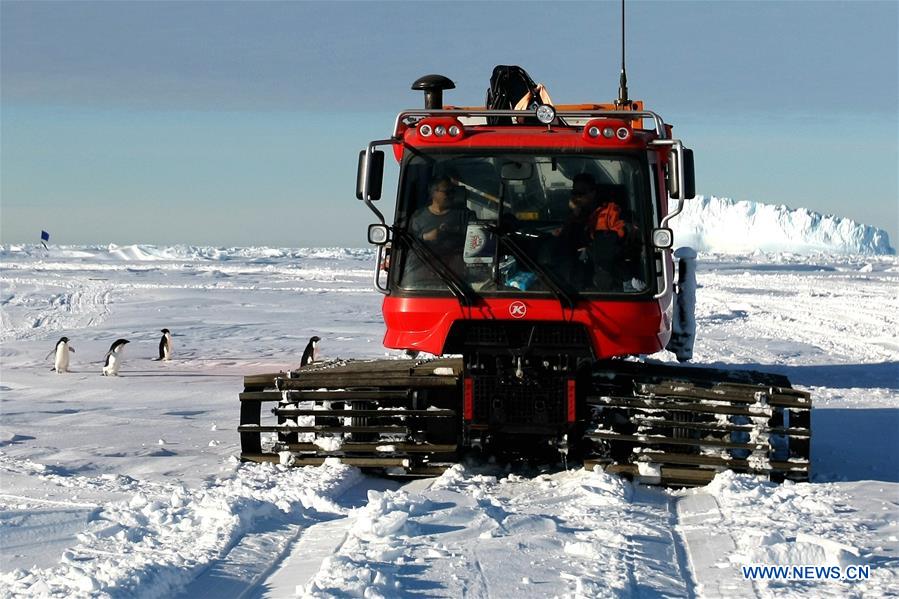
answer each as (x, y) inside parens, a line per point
(556, 215)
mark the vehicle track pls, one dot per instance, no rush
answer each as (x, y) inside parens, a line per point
(570, 533)
(40, 308)
(271, 561)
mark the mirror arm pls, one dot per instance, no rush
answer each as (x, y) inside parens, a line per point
(375, 210)
(366, 195)
(678, 149)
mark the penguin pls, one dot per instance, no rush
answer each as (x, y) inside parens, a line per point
(62, 349)
(165, 346)
(114, 358)
(311, 352)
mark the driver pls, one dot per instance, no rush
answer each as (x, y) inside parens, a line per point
(441, 224)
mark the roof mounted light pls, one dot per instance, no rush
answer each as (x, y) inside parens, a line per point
(605, 130)
(438, 129)
(546, 114)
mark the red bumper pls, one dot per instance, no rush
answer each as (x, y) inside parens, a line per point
(616, 327)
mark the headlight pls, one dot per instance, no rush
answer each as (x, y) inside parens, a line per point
(662, 239)
(546, 114)
(378, 234)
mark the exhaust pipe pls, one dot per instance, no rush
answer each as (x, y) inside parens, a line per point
(433, 86)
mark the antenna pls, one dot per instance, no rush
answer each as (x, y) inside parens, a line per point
(622, 100)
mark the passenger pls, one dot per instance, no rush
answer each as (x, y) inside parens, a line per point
(615, 247)
(574, 239)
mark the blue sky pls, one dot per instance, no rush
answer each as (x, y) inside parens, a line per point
(239, 123)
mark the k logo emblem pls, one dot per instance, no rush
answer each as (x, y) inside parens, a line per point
(518, 309)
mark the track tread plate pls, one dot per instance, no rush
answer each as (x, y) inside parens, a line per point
(663, 440)
(281, 428)
(718, 427)
(292, 413)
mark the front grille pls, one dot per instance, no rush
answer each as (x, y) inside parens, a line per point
(560, 335)
(474, 336)
(526, 403)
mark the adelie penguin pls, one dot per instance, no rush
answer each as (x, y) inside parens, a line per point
(165, 346)
(310, 354)
(62, 349)
(114, 358)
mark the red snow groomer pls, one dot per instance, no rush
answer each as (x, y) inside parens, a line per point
(532, 247)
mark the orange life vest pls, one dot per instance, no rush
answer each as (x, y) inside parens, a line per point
(608, 218)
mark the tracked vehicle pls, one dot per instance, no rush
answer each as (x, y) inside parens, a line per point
(532, 320)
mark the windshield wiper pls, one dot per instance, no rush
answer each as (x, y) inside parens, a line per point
(456, 285)
(565, 297)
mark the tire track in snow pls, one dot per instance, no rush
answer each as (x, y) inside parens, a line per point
(569, 534)
(274, 560)
(169, 534)
(34, 309)
(700, 550)
(681, 550)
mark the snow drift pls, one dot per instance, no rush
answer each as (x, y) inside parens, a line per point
(726, 226)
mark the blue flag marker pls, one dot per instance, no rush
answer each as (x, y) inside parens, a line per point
(45, 237)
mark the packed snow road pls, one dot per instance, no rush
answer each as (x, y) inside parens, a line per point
(127, 486)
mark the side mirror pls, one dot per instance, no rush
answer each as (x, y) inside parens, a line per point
(689, 182)
(689, 175)
(378, 234)
(662, 239)
(370, 175)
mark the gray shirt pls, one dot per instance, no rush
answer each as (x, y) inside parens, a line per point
(450, 228)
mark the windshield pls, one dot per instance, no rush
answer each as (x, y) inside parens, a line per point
(524, 223)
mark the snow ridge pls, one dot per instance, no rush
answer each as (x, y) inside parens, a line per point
(154, 544)
(727, 226)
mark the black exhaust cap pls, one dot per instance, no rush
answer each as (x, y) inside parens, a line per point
(433, 86)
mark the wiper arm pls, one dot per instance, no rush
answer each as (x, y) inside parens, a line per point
(566, 298)
(456, 285)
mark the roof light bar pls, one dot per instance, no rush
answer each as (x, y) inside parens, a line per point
(440, 130)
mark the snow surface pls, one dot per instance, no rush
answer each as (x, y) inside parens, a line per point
(128, 486)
